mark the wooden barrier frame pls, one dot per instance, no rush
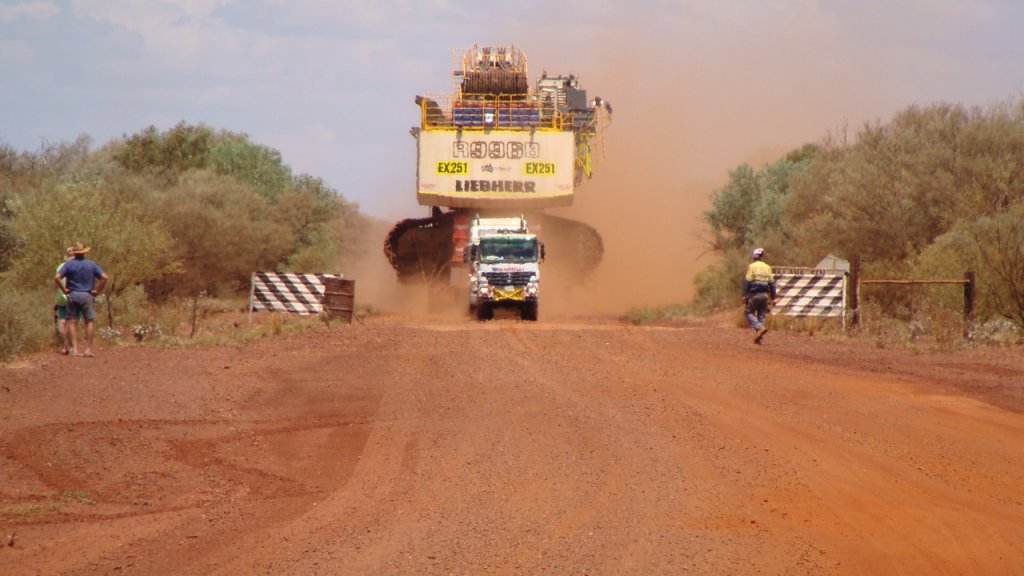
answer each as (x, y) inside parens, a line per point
(968, 283)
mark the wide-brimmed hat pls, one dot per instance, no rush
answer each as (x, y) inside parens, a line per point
(79, 249)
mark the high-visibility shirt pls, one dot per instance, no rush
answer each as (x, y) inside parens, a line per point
(759, 278)
(759, 271)
(61, 300)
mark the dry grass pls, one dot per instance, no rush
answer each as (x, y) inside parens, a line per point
(929, 327)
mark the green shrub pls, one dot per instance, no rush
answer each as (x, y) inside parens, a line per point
(26, 322)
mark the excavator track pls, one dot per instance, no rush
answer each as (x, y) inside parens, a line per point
(577, 246)
(420, 249)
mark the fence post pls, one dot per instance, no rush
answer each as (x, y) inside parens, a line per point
(252, 293)
(854, 291)
(968, 303)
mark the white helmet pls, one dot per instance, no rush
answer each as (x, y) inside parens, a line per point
(757, 254)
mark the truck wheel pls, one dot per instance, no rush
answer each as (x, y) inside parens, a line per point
(530, 311)
(484, 311)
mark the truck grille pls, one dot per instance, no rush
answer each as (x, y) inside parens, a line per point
(508, 278)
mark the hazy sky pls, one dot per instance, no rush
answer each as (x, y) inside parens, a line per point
(698, 87)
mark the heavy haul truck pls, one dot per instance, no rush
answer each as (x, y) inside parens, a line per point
(495, 148)
(504, 267)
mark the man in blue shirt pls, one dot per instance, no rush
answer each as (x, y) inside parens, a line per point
(81, 287)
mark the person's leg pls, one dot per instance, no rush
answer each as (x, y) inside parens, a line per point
(62, 328)
(77, 309)
(759, 308)
(64, 335)
(72, 327)
(90, 328)
(755, 311)
(752, 319)
(89, 313)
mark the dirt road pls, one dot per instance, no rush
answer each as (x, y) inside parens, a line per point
(573, 447)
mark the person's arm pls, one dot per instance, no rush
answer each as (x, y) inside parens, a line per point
(100, 284)
(57, 280)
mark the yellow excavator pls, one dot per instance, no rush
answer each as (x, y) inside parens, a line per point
(493, 148)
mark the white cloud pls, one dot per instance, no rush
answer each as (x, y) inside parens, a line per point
(190, 36)
(179, 34)
(33, 10)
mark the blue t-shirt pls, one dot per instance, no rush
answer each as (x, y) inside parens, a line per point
(81, 274)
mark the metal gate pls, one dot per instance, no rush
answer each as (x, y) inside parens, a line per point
(811, 292)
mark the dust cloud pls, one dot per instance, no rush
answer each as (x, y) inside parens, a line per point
(648, 214)
(378, 289)
(649, 189)
(377, 285)
(693, 98)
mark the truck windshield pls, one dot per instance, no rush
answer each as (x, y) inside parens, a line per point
(505, 249)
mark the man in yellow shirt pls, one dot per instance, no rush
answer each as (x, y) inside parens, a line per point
(758, 290)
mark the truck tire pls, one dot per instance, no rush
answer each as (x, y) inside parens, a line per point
(530, 311)
(484, 311)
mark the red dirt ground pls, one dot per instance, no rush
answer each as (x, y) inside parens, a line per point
(401, 446)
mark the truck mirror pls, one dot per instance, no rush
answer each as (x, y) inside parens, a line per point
(542, 252)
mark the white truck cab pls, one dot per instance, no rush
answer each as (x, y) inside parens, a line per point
(504, 258)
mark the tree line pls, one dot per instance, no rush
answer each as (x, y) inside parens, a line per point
(172, 214)
(934, 192)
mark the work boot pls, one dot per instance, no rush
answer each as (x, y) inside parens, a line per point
(760, 335)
